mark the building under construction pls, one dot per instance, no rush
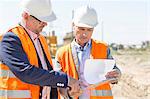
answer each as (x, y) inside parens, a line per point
(53, 44)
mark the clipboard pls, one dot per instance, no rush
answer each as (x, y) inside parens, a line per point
(92, 86)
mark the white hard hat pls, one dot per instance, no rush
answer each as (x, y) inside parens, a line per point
(85, 17)
(41, 9)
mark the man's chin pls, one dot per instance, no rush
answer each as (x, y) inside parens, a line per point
(85, 41)
(40, 31)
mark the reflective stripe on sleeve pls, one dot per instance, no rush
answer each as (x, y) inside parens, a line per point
(15, 93)
(6, 73)
(101, 93)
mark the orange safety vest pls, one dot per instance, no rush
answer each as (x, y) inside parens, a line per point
(10, 86)
(98, 51)
(0, 37)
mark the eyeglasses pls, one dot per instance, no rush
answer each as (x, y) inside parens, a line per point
(35, 18)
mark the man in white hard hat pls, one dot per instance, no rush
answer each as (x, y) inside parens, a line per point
(25, 62)
(71, 58)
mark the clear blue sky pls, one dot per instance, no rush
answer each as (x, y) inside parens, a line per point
(124, 21)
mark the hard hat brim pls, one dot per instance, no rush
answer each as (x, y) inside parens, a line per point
(49, 18)
(83, 25)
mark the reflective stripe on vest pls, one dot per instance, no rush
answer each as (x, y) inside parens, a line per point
(15, 94)
(6, 73)
(101, 93)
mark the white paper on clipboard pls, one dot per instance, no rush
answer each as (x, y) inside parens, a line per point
(96, 69)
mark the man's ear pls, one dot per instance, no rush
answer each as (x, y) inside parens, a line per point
(25, 15)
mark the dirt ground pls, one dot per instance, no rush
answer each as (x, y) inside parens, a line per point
(135, 80)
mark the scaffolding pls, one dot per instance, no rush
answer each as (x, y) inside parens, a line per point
(52, 43)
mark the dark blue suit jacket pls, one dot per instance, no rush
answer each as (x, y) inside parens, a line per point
(13, 55)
